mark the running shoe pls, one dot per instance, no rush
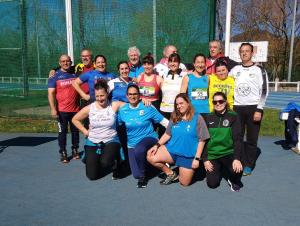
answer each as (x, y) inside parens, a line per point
(247, 171)
(116, 175)
(64, 157)
(142, 183)
(296, 150)
(169, 179)
(234, 187)
(75, 154)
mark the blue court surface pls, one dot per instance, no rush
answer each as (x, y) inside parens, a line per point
(36, 189)
(279, 100)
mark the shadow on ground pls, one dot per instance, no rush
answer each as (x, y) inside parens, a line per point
(283, 144)
(25, 141)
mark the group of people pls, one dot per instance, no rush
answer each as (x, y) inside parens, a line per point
(162, 115)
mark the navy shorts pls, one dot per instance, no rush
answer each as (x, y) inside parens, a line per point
(182, 161)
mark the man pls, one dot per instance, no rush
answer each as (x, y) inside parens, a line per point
(250, 94)
(162, 67)
(85, 65)
(87, 62)
(215, 53)
(63, 100)
(135, 65)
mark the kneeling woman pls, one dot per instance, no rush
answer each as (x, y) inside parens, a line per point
(182, 143)
(140, 133)
(223, 150)
(102, 146)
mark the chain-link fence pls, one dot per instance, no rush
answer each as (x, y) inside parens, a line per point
(33, 36)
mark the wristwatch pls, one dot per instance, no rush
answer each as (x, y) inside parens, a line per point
(197, 158)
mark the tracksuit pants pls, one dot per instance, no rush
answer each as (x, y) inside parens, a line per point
(65, 119)
(221, 165)
(252, 131)
(137, 156)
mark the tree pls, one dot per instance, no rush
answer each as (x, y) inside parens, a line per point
(266, 20)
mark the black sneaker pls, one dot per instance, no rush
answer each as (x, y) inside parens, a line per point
(64, 157)
(75, 154)
(234, 187)
(116, 175)
(142, 183)
(169, 179)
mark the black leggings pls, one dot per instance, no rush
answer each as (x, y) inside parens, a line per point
(222, 165)
(96, 163)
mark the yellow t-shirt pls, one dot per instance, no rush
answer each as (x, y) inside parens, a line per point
(217, 85)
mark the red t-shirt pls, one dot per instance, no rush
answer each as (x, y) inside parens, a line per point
(66, 96)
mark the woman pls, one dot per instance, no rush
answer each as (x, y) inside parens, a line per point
(102, 146)
(118, 86)
(223, 150)
(150, 83)
(196, 85)
(140, 133)
(181, 144)
(91, 78)
(171, 85)
(221, 82)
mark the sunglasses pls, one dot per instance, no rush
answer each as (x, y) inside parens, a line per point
(215, 102)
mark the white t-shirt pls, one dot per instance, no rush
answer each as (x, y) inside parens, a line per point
(251, 85)
(163, 69)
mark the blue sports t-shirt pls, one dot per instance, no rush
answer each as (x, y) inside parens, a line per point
(198, 93)
(135, 71)
(91, 78)
(185, 136)
(138, 122)
(118, 88)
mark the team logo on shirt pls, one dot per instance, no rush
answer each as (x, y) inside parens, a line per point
(252, 75)
(225, 122)
(142, 112)
(188, 128)
(238, 74)
(243, 89)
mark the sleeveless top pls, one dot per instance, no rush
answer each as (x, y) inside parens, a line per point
(217, 85)
(149, 90)
(198, 93)
(102, 124)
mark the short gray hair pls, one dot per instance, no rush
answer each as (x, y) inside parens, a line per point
(219, 42)
(133, 49)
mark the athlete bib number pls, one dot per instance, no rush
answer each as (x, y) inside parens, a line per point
(147, 91)
(199, 93)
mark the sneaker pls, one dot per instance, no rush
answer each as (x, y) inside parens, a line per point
(116, 175)
(142, 183)
(247, 171)
(64, 157)
(169, 179)
(75, 154)
(296, 150)
(234, 187)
